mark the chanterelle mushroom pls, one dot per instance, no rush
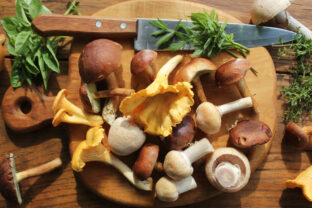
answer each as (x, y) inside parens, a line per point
(228, 170)
(160, 106)
(208, 116)
(250, 133)
(9, 178)
(65, 111)
(92, 149)
(168, 190)
(299, 137)
(178, 164)
(274, 12)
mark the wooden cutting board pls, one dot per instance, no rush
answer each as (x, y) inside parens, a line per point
(106, 181)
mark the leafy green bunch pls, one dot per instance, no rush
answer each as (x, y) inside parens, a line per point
(207, 36)
(299, 94)
(34, 54)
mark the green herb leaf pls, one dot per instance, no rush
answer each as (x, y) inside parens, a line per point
(50, 60)
(10, 24)
(17, 78)
(21, 42)
(165, 38)
(31, 66)
(20, 12)
(177, 46)
(35, 8)
(45, 10)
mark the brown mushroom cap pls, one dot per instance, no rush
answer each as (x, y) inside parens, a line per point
(296, 135)
(232, 71)
(98, 59)
(142, 60)
(249, 133)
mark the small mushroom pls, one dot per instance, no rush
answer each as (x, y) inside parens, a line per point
(191, 73)
(94, 149)
(142, 63)
(299, 137)
(2, 40)
(274, 12)
(146, 162)
(249, 133)
(169, 190)
(125, 137)
(9, 178)
(65, 111)
(182, 135)
(233, 72)
(178, 164)
(208, 116)
(228, 170)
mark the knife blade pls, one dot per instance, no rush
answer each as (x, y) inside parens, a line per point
(140, 29)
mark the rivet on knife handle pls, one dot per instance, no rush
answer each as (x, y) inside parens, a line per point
(92, 26)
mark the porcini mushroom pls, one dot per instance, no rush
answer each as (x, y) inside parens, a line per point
(92, 149)
(233, 72)
(208, 116)
(274, 12)
(228, 170)
(191, 73)
(146, 161)
(182, 135)
(178, 164)
(125, 137)
(169, 190)
(9, 178)
(249, 133)
(160, 106)
(299, 137)
(65, 111)
(142, 63)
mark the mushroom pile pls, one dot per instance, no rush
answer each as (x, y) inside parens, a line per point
(164, 109)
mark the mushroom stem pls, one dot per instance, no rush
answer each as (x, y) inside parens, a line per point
(200, 90)
(112, 92)
(245, 92)
(227, 174)
(235, 105)
(166, 69)
(197, 150)
(186, 184)
(39, 170)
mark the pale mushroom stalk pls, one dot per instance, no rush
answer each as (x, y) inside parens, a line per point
(236, 105)
(245, 92)
(178, 164)
(227, 174)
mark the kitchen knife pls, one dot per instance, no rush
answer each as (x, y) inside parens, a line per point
(141, 30)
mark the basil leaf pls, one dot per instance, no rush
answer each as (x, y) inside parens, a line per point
(35, 8)
(45, 10)
(31, 67)
(20, 12)
(21, 42)
(11, 48)
(9, 24)
(50, 59)
(44, 73)
(17, 78)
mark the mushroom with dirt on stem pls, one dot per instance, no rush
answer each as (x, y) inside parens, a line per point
(227, 169)
(249, 133)
(10, 178)
(233, 72)
(65, 111)
(168, 190)
(178, 164)
(274, 13)
(94, 149)
(208, 116)
(299, 137)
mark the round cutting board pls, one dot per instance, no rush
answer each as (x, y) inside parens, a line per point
(106, 181)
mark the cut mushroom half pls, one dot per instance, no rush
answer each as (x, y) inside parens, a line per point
(274, 13)
(233, 72)
(249, 133)
(192, 71)
(228, 170)
(178, 164)
(208, 116)
(9, 178)
(169, 190)
(299, 137)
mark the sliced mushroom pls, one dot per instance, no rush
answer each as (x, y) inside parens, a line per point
(208, 116)
(249, 133)
(178, 164)
(233, 72)
(9, 178)
(142, 63)
(299, 137)
(169, 190)
(228, 170)
(274, 13)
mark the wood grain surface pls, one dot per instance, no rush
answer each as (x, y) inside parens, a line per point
(62, 189)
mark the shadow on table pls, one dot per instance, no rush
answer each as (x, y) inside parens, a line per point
(293, 197)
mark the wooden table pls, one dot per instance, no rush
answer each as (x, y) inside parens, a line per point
(62, 189)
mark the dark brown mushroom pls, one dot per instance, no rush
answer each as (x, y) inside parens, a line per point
(233, 72)
(299, 137)
(249, 133)
(9, 178)
(142, 62)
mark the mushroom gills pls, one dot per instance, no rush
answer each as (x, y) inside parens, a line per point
(227, 174)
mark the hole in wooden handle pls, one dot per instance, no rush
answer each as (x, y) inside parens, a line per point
(24, 105)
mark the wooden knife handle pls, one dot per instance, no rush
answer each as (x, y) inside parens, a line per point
(25, 109)
(86, 26)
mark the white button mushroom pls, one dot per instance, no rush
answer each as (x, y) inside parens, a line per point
(178, 164)
(125, 137)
